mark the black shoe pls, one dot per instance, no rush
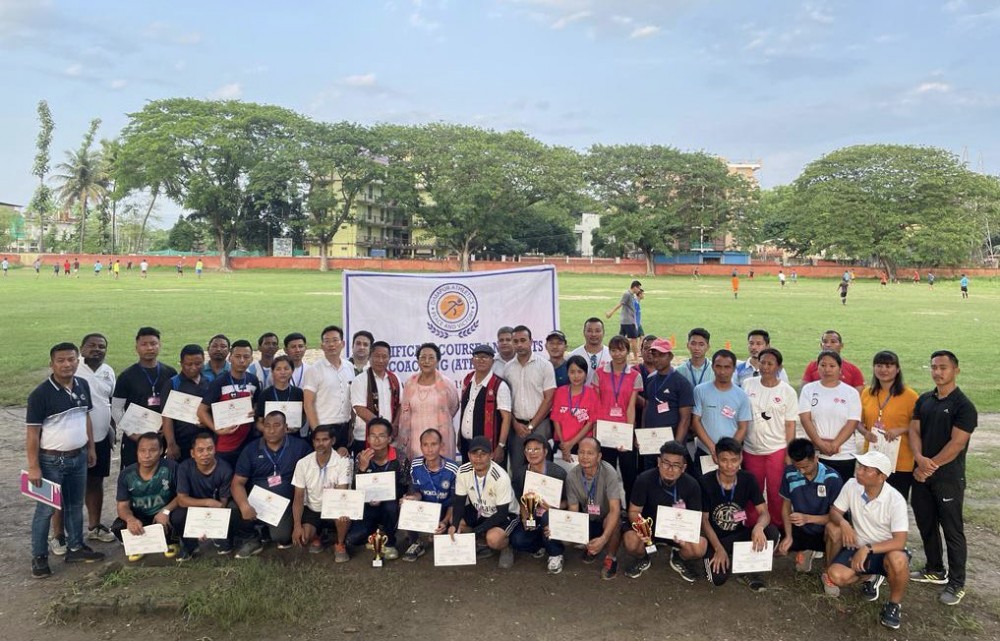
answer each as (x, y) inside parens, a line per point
(869, 589)
(754, 582)
(83, 555)
(890, 615)
(40, 567)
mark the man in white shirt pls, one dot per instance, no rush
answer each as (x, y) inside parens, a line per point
(593, 349)
(505, 349)
(321, 470)
(326, 389)
(484, 413)
(533, 384)
(267, 345)
(481, 503)
(101, 379)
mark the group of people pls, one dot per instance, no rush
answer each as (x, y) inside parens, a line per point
(114, 267)
(731, 450)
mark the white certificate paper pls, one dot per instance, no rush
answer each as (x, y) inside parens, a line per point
(651, 439)
(461, 551)
(291, 409)
(182, 407)
(572, 527)
(233, 412)
(207, 523)
(419, 516)
(270, 507)
(707, 464)
(889, 448)
(338, 503)
(377, 486)
(547, 487)
(615, 435)
(152, 541)
(679, 525)
(139, 420)
(746, 560)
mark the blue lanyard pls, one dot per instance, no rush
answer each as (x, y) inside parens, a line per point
(430, 478)
(475, 481)
(592, 489)
(662, 386)
(704, 368)
(240, 387)
(732, 492)
(152, 381)
(672, 490)
(276, 459)
(274, 392)
(569, 392)
(302, 372)
(617, 388)
(263, 375)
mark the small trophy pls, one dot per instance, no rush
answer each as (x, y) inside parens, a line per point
(378, 541)
(644, 528)
(530, 503)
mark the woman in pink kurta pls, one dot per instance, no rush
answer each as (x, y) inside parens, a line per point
(429, 400)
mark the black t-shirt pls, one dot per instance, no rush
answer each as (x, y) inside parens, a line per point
(216, 485)
(650, 491)
(551, 469)
(724, 506)
(671, 389)
(183, 384)
(137, 384)
(937, 418)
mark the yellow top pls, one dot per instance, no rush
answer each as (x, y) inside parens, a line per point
(897, 413)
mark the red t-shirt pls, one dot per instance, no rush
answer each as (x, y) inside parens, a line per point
(573, 414)
(849, 373)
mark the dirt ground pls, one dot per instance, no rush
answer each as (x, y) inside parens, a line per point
(416, 600)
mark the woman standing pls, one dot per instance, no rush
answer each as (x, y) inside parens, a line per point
(830, 411)
(429, 400)
(887, 407)
(574, 408)
(618, 385)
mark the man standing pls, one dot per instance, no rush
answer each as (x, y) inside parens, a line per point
(5, 266)
(808, 490)
(143, 268)
(757, 341)
(179, 435)
(218, 355)
(203, 481)
(147, 492)
(379, 456)
(505, 349)
(326, 388)
(721, 409)
(555, 345)
(101, 380)
(361, 345)
(669, 396)
(60, 446)
(849, 372)
(485, 406)
(697, 369)
(595, 488)
(629, 328)
(593, 348)
(323, 469)
(963, 284)
(140, 383)
(267, 345)
(236, 383)
(199, 265)
(482, 499)
(943, 421)
(432, 480)
(533, 384)
(375, 392)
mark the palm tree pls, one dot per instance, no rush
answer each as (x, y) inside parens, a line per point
(83, 177)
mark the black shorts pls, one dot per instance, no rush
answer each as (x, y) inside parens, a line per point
(101, 469)
(628, 331)
(802, 541)
(965, 289)
(473, 520)
(874, 564)
(313, 518)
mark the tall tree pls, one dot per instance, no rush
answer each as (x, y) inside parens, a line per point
(82, 180)
(41, 200)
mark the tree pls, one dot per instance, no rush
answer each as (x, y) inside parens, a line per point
(772, 222)
(41, 201)
(543, 228)
(82, 179)
(893, 204)
(656, 197)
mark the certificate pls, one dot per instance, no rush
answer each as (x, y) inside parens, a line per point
(182, 407)
(207, 523)
(746, 560)
(461, 551)
(707, 464)
(291, 409)
(419, 516)
(338, 503)
(677, 524)
(139, 420)
(652, 439)
(152, 540)
(378, 486)
(572, 527)
(547, 487)
(889, 448)
(616, 435)
(233, 412)
(270, 507)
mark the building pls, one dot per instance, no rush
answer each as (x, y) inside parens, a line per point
(584, 231)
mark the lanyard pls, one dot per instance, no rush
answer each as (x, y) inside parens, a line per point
(240, 387)
(276, 459)
(704, 368)
(302, 371)
(322, 470)
(430, 478)
(263, 375)
(616, 388)
(662, 386)
(732, 492)
(288, 396)
(475, 481)
(152, 381)
(881, 406)
(569, 392)
(592, 489)
(669, 489)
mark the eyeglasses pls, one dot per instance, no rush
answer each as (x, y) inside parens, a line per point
(533, 450)
(671, 466)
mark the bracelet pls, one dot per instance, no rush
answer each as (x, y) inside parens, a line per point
(503, 445)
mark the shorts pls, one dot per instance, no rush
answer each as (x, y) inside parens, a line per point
(965, 290)
(802, 541)
(874, 564)
(473, 520)
(628, 331)
(313, 518)
(102, 469)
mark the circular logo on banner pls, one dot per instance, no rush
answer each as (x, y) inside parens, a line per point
(452, 309)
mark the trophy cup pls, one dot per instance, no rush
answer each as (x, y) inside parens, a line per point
(530, 502)
(377, 541)
(644, 528)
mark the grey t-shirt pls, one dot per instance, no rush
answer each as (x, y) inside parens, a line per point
(628, 308)
(605, 484)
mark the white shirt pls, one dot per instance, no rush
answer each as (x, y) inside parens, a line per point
(503, 402)
(487, 494)
(873, 521)
(603, 357)
(831, 408)
(500, 364)
(528, 383)
(102, 386)
(331, 384)
(779, 404)
(359, 398)
(313, 479)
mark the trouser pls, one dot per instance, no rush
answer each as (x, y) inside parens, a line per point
(627, 463)
(178, 519)
(844, 468)
(247, 530)
(937, 507)
(129, 451)
(770, 532)
(532, 540)
(119, 524)
(902, 481)
(768, 469)
(70, 472)
(385, 514)
(515, 445)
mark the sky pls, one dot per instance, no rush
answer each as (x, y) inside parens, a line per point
(778, 82)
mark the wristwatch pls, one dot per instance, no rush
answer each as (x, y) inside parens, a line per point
(531, 428)
(870, 548)
(503, 445)
(165, 512)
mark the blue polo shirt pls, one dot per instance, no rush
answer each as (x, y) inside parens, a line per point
(721, 410)
(672, 389)
(811, 497)
(257, 462)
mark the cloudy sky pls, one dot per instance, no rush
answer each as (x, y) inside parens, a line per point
(779, 82)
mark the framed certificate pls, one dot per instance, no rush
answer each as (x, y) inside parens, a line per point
(615, 435)
(547, 487)
(377, 486)
(651, 439)
(678, 525)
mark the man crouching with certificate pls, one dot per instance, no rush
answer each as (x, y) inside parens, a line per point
(482, 497)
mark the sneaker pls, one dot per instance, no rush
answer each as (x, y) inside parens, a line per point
(40, 567)
(414, 552)
(506, 558)
(890, 615)
(340, 554)
(754, 582)
(100, 533)
(869, 589)
(829, 587)
(57, 545)
(250, 548)
(83, 555)
(186, 555)
(389, 553)
(223, 548)
(639, 566)
(135, 558)
(804, 560)
(172, 550)
(689, 571)
(539, 553)
(285, 546)
(924, 576)
(483, 551)
(951, 595)
(676, 562)
(588, 558)
(610, 569)
(316, 545)
(555, 564)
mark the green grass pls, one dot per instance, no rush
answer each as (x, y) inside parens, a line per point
(911, 320)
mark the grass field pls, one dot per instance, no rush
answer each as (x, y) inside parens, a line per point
(909, 319)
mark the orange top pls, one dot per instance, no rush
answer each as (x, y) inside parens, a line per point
(897, 413)
(736, 282)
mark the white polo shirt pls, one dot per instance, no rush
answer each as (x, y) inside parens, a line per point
(528, 383)
(332, 386)
(313, 479)
(503, 402)
(102, 386)
(874, 521)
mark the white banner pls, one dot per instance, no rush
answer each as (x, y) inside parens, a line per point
(457, 311)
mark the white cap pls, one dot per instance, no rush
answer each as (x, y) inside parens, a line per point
(878, 460)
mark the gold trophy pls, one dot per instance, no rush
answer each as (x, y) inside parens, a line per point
(377, 541)
(644, 528)
(530, 502)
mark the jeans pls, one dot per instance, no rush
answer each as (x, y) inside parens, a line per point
(71, 473)
(524, 540)
(768, 469)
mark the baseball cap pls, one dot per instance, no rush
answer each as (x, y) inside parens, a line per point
(480, 444)
(878, 460)
(538, 438)
(662, 345)
(557, 334)
(483, 349)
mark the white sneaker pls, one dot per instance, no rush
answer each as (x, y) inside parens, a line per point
(555, 564)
